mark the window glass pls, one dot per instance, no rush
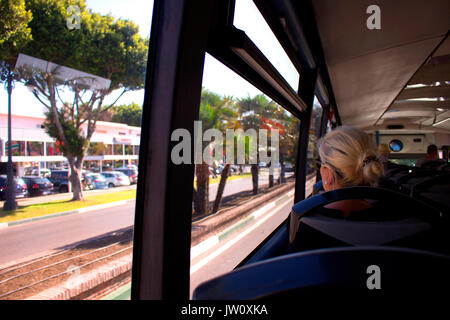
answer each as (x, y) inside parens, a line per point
(313, 152)
(234, 178)
(87, 60)
(53, 149)
(97, 149)
(128, 149)
(35, 148)
(118, 149)
(17, 148)
(248, 18)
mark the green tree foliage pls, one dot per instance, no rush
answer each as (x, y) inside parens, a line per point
(14, 30)
(102, 46)
(129, 114)
(251, 111)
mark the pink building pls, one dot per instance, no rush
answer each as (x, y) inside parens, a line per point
(112, 145)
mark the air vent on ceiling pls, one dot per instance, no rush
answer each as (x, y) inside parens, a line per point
(395, 126)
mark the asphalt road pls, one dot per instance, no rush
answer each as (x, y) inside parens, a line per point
(34, 238)
(233, 186)
(29, 240)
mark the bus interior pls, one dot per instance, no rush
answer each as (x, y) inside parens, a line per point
(390, 80)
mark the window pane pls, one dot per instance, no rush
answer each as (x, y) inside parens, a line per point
(248, 18)
(313, 152)
(35, 148)
(86, 60)
(239, 179)
(17, 148)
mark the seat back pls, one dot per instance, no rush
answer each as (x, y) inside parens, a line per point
(302, 274)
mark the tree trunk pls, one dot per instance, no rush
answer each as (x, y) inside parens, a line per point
(254, 170)
(75, 179)
(270, 176)
(223, 179)
(282, 169)
(202, 194)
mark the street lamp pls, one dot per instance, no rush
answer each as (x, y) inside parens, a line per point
(10, 203)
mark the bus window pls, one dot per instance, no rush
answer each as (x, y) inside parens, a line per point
(76, 100)
(244, 185)
(248, 18)
(312, 152)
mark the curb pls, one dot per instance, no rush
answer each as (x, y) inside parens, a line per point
(65, 213)
(75, 286)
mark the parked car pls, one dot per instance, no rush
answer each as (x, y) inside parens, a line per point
(288, 167)
(130, 172)
(38, 186)
(97, 180)
(35, 171)
(233, 169)
(60, 180)
(116, 178)
(21, 188)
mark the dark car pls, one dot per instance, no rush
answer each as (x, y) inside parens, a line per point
(288, 167)
(21, 188)
(38, 186)
(60, 180)
(130, 172)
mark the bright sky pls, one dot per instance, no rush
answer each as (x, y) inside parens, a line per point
(216, 77)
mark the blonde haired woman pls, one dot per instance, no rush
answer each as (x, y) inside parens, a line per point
(348, 158)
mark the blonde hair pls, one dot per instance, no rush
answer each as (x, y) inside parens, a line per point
(352, 155)
(383, 149)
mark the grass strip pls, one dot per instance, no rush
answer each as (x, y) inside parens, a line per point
(42, 209)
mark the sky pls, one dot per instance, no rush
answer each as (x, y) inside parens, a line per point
(216, 77)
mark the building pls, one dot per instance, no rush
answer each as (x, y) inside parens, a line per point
(112, 145)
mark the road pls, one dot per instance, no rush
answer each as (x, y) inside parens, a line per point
(233, 186)
(30, 239)
(27, 240)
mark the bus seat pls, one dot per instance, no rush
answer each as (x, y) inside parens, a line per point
(445, 168)
(400, 220)
(435, 191)
(366, 233)
(407, 182)
(396, 169)
(433, 164)
(302, 274)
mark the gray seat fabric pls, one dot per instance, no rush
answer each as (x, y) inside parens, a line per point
(366, 233)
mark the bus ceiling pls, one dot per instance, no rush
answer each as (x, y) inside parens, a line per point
(397, 74)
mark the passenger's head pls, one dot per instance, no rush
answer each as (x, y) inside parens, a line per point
(384, 151)
(432, 151)
(349, 158)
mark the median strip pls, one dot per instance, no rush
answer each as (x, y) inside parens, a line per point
(65, 213)
(210, 242)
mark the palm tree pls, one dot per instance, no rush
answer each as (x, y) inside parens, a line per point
(251, 111)
(215, 112)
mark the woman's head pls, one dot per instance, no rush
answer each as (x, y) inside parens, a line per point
(349, 158)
